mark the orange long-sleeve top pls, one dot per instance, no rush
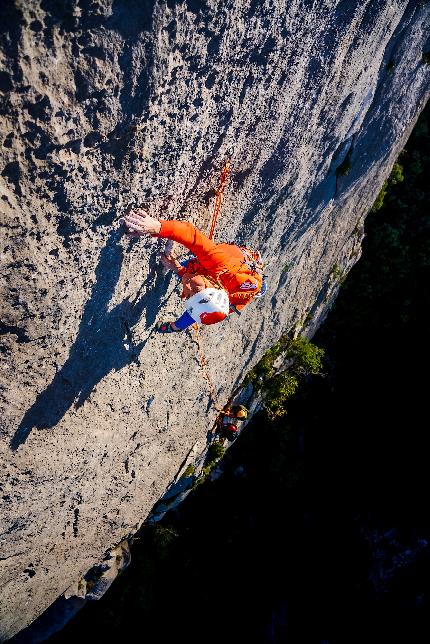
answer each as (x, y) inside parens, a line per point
(223, 263)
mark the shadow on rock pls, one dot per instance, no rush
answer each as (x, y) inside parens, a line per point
(104, 343)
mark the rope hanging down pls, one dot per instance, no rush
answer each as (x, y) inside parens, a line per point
(202, 359)
(218, 196)
(204, 367)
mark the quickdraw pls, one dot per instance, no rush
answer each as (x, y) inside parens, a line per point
(253, 259)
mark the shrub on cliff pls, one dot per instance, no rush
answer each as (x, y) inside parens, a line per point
(395, 177)
(303, 358)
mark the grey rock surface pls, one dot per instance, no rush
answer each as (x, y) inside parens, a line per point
(112, 103)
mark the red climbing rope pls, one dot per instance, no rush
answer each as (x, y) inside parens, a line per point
(218, 196)
(204, 367)
(200, 352)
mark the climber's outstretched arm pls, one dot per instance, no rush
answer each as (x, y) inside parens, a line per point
(188, 235)
(140, 223)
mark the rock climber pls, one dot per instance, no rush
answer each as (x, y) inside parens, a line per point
(227, 421)
(218, 280)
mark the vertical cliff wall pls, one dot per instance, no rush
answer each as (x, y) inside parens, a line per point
(109, 103)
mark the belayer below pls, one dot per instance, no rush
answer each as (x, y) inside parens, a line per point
(219, 280)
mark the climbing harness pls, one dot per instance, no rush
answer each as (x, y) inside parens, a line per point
(255, 264)
(253, 259)
(218, 196)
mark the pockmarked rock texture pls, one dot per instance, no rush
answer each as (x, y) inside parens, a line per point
(110, 103)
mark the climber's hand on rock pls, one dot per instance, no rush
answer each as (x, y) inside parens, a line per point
(140, 223)
(131, 229)
(170, 262)
(130, 232)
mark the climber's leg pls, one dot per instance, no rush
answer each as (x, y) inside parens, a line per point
(180, 324)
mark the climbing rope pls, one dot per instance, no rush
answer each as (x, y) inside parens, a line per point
(217, 207)
(218, 196)
(202, 359)
(204, 367)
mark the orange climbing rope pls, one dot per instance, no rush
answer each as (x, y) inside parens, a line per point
(218, 196)
(202, 359)
(204, 367)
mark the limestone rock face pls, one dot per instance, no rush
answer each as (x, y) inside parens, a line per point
(110, 103)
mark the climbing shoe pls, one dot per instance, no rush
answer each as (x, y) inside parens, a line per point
(166, 327)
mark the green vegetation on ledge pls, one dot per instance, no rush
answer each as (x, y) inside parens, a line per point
(395, 177)
(303, 359)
